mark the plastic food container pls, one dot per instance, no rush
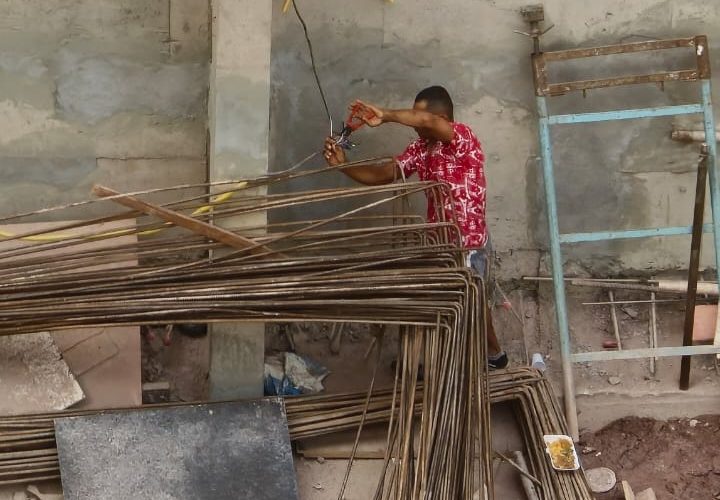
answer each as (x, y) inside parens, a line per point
(561, 450)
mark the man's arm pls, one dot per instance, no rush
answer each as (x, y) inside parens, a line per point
(371, 174)
(434, 126)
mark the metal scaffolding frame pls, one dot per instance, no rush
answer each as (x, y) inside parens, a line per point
(544, 90)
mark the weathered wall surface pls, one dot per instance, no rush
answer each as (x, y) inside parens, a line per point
(115, 92)
(609, 176)
(110, 91)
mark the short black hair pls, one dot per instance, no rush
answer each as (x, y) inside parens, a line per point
(438, 100)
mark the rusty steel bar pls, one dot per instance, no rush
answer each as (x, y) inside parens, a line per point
(556, 89)
(625, 48)
(541, 60)
(412, 274)
(526, 390)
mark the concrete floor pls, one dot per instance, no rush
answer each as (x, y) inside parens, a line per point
(607, 391)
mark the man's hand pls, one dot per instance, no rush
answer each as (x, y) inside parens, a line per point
(371, 115)
(334, 154)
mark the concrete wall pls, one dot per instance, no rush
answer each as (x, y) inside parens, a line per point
(110, 91)
(609, 176)
(115, 92)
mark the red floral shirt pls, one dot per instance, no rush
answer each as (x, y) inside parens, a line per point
(460, 164)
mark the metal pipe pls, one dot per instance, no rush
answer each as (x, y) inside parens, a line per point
(557, 270)
(621, 302)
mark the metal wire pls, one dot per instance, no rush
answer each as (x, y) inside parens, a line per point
(312, 64)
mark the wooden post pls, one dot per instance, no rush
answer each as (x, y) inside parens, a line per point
(697, 230)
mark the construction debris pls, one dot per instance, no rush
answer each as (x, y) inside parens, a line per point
(288, 374)
(156, 392)
(34, 377)
(537, 411)
(398, 271)
(192, 451)
(601, 479)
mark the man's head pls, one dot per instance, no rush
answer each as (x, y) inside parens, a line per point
(437, 101)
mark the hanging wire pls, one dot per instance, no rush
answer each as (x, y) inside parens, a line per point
(314, 67)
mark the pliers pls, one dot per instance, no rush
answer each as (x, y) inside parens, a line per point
(354, 121)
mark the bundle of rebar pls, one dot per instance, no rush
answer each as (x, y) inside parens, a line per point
(27, 443)
(359, 264)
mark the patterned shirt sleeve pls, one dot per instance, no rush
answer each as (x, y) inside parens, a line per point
(410, 159)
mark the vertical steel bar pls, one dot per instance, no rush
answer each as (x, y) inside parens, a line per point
(694, 267)
(653, 330)
(557, 268)
(613, 315)
(709, 123)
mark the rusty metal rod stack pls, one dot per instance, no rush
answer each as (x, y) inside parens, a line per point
(354, 264)
(530, 394)
(339, 268)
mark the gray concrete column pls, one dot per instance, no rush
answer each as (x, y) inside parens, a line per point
(239, 109)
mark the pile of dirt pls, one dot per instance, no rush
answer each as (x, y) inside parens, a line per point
(677, 458)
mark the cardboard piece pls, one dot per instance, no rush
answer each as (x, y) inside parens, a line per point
(88, 354)
(704, 324)
(108, 381)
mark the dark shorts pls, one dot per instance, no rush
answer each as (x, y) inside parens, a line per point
(480, 261)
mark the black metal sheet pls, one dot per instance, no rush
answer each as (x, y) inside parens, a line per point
(211, 451)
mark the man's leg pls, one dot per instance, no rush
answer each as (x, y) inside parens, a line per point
(492, 341)
(480, 262)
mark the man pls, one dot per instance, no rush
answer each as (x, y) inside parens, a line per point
(445, 151)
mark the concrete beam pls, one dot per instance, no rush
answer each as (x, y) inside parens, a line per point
(239, 121)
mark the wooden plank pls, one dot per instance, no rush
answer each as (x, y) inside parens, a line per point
(196, 226)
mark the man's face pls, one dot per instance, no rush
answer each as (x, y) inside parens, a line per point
(423, 106)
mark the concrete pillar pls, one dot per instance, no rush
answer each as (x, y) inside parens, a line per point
(239, 113)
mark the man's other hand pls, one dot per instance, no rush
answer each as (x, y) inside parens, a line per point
(370, 114)
(334, 154)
